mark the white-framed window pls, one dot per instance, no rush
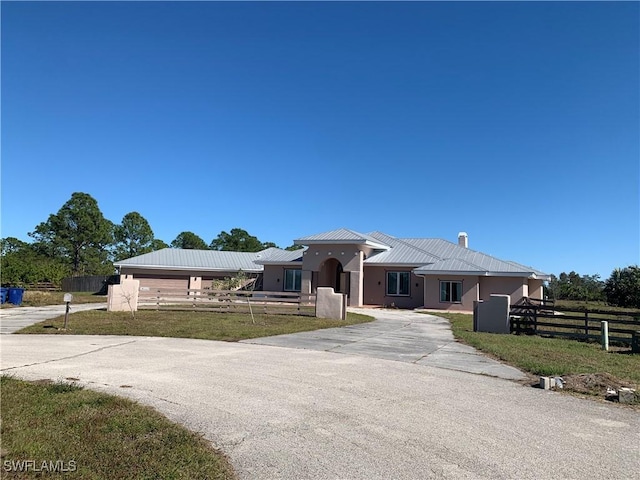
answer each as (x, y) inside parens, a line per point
(292, 280)
(450, 292)
(398, 283)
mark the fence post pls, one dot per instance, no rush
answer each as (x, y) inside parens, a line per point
(604, 335)
(586, 324)
(535, 320)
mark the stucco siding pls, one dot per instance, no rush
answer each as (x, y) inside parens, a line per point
(469, 292)
(516, 287)
(273, 278)
(536, 289)
(375, 288)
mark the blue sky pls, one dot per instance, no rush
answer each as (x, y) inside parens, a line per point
(515, 122)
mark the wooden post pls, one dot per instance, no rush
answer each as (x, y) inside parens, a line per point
(586, 324)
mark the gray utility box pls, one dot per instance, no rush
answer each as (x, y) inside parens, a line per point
(492, 315)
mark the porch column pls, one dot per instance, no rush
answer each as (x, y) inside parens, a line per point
(356, 283)
(355, 289)
(305, 283)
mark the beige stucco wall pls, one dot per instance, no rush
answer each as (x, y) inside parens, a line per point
(470, 292)
(516, 287)
(273, 278)
(536, 289)
(375, 288)
(347, 255)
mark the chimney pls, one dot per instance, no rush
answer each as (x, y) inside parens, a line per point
(463, 239)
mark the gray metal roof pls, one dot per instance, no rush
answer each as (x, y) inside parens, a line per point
(203, 260)
(282, 256)
(341, 235)
(429, 256)
(446, 257)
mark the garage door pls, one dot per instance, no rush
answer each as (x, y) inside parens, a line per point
(164, 283)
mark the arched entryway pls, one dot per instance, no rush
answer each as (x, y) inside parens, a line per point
(332, 275)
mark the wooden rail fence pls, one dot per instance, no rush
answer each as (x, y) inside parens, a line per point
(552, 321)
(227, 301)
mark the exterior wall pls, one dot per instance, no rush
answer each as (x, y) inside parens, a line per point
(347, 255)
(536, 289)
(273, 278)
(375, 288)
(516, 287)
(470, 292)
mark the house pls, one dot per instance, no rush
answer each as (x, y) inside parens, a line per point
(371, 269)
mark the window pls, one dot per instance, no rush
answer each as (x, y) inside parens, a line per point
(292, 280)
(451, 292)
(397, 283)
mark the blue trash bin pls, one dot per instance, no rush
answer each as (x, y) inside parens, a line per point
(15, 295)
(4, 292)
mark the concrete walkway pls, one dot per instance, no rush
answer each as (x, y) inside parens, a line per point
(400, 335)
(15, 318)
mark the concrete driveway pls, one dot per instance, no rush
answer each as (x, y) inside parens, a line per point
(15, 318)
(401, 335)
(290, 413)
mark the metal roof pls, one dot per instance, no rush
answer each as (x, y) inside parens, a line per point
(429, 256)
(282, 256)
(204, 260)
(446, 257)
(341, 235)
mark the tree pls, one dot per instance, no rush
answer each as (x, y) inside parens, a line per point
(21, 264)
(78, 234)
(189, 240)
(294, 247)
(238, 240)
(571, 286)
(133, 236)
(158, 244)
(622, 288)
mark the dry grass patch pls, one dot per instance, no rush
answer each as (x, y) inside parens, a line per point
(187, 324)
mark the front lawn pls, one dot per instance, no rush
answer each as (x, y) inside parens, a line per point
(229, 327)
(52, 428)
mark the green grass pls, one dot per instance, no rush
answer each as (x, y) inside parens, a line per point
(100, 436)
(547, 356)
(187, 324)
(583, 305)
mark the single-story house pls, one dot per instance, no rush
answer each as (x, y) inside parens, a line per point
(371, 269)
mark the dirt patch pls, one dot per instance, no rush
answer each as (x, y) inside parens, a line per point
(593, 383)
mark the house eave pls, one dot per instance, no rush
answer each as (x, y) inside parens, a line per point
(368, 243)
(191, 269)
(529, 275)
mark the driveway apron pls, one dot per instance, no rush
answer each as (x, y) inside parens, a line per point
(399, 335)
(14, 319)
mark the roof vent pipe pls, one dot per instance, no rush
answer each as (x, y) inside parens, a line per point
(463, 239)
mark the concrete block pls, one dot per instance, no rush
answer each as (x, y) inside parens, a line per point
(546, 382)
(627, 395)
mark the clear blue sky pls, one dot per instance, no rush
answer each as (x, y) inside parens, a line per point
(515, 122)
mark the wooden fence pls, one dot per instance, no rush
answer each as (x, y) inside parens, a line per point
(89, 283)
(227, 301)
(579, 324)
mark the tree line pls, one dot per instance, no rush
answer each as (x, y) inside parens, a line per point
(621, 289)
(79, 240)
